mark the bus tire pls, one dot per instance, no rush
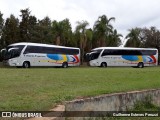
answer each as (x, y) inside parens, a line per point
(103, 64)
(26, 64)
(140, 65)
(65, 65)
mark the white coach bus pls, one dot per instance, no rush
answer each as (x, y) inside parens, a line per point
(36, 54)
(116, 56)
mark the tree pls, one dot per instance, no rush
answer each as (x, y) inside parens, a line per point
(57, 30)
(134, 39)
(102, 29)
(114, 39)
(144, 37)
(32, 29)
(81, 31)
(75, 39)
(11, 31)
(151, 37)
(45, 31)
(1, 28)
(62, 32)
(24, 24)
(66, 32)
(89, 35)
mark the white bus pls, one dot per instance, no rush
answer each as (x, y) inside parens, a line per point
(117, 56)
(36, 54)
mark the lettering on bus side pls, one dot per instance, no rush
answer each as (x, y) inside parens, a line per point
(34, 56)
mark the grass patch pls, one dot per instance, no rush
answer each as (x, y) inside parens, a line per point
(145, 105)
(142, 107)
(43, 88)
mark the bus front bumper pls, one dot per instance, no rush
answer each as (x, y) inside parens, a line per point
(10, 63)
(93, 63)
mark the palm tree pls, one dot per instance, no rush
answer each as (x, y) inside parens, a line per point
(89, 35)
(81, 31)
(102, 29)
(62, 32)
(133, 38)
(114, 39)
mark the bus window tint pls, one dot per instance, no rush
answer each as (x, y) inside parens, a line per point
(51, 50)
(148, 52)
(128, 52)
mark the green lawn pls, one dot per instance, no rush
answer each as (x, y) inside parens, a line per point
(42, 88)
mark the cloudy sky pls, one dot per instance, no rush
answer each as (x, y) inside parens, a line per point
(128, 13)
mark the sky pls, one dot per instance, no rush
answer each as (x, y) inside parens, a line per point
(128, 13)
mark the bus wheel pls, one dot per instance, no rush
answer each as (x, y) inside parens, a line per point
(26, 64)
(65, 65)
(140, 65)
(103, 64)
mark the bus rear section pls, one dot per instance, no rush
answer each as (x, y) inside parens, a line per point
(115, 56)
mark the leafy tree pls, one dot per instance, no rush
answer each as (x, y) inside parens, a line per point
(75, 39)
(24, 24)
(114, 39)
(45, 34)
(1, 28)
(151, 37)
(67, 32)
(133, 38)
(144, 37)
(89, 35)
(81, 31)
(10, 31)
(57, 31)
(62, 32)
(102, 29)
(32, 29)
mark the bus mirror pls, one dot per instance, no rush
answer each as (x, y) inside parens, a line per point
(87, 56)
(3, 50)
(12, 49)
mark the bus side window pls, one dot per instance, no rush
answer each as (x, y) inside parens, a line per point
(105, 52)
(29, 49)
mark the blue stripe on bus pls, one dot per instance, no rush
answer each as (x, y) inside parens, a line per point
(55, 56)
(130, 57)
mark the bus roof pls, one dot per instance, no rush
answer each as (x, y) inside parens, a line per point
(124, 48)
(40, 44)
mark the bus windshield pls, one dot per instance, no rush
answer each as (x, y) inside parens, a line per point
(11, 52)
(94, 54)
